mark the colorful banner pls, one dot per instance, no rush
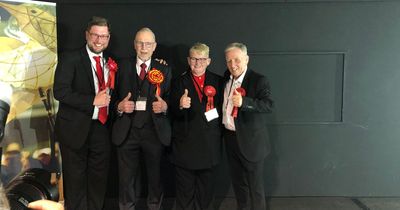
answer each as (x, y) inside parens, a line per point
(28, 58)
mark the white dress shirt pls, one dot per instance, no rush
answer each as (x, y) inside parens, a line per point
(95, 80)
(227, 108)
(139, 62)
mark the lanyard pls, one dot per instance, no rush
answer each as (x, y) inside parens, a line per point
(198, 86)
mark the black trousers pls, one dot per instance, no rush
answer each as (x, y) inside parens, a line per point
(247, 177)
(141, 143)
(194, 188)
(85, 170)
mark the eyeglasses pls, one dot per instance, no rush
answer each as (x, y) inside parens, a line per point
(144, 44)
(201, 60)
(98, 36)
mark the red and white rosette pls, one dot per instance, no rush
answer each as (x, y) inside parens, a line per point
(112, 67)
(242, 92)
(210, 92)
(156, 77)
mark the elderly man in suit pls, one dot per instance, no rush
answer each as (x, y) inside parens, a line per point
(82, 123)
(142, 128)
(245, 135)
(197, 130)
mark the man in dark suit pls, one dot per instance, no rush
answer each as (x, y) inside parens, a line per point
(245, 135)
(197, 131)
(82, 123)
(142, 128)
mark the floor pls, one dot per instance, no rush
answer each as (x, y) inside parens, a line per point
(297, 203)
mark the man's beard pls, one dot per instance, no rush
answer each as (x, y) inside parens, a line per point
(94, 51)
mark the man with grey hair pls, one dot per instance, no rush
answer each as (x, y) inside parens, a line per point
(196, 102)
(142, 128)
(247, 98)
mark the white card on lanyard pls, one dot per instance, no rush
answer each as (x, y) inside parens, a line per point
(140, 104)
(211, 114)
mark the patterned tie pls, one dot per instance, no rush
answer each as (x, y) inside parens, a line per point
(142, 74)
(102, 85)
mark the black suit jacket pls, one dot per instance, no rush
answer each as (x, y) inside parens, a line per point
(74, 89)
(250, 124)
(196, 143)
(127, 82)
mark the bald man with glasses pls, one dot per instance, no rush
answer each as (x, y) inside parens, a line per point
(142, 128)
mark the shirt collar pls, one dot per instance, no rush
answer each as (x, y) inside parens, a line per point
(241, 77)
(202, 76)
(139, 62)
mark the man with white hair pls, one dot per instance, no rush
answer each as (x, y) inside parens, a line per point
(247, 99)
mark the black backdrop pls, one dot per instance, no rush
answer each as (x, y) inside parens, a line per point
(333, 67)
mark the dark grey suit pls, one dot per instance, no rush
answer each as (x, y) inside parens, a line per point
(248, 146)
(140, 134)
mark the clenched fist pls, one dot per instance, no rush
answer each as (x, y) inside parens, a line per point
(102, 99)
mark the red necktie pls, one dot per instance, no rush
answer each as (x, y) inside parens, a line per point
(102, 85)
(142, 74)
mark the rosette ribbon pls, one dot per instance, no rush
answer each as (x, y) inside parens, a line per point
(210, 93)
(156, 77)
(112, 67)
(235, 109)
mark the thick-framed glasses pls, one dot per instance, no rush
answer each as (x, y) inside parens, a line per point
(98, 36)
(194, 60)
(144, 44)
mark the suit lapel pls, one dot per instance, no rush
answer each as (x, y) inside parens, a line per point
(152, 89)
(191, 86)
(87, 66)
(245, 81)
(207, 81)
(132, 75)
(188, 81)
(244, 85)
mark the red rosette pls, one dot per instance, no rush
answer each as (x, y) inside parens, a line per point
(112, 67)
(156, 77)
(235, 109)
(210, 92)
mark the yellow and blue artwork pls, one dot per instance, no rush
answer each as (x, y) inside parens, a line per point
(28, 58)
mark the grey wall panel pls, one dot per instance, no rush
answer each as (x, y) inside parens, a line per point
(307, 86)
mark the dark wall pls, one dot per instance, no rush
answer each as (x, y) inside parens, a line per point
(333, 68)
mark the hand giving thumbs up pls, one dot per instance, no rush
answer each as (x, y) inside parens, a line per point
(185, 100)
(126, 105)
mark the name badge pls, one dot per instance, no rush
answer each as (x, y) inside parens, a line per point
(140, 104)
(212, 114)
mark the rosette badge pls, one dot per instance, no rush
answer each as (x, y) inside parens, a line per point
(235, 109)
(112, 67)
(210, 93)
(156, 77)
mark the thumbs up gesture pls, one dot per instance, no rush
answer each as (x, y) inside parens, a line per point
(185, 100)
(101, 99)
(126, 105)
(237, 99)
(159, 105)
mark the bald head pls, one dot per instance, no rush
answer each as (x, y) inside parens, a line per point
(145, 44)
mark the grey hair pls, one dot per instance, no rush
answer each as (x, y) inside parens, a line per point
(242, 47)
